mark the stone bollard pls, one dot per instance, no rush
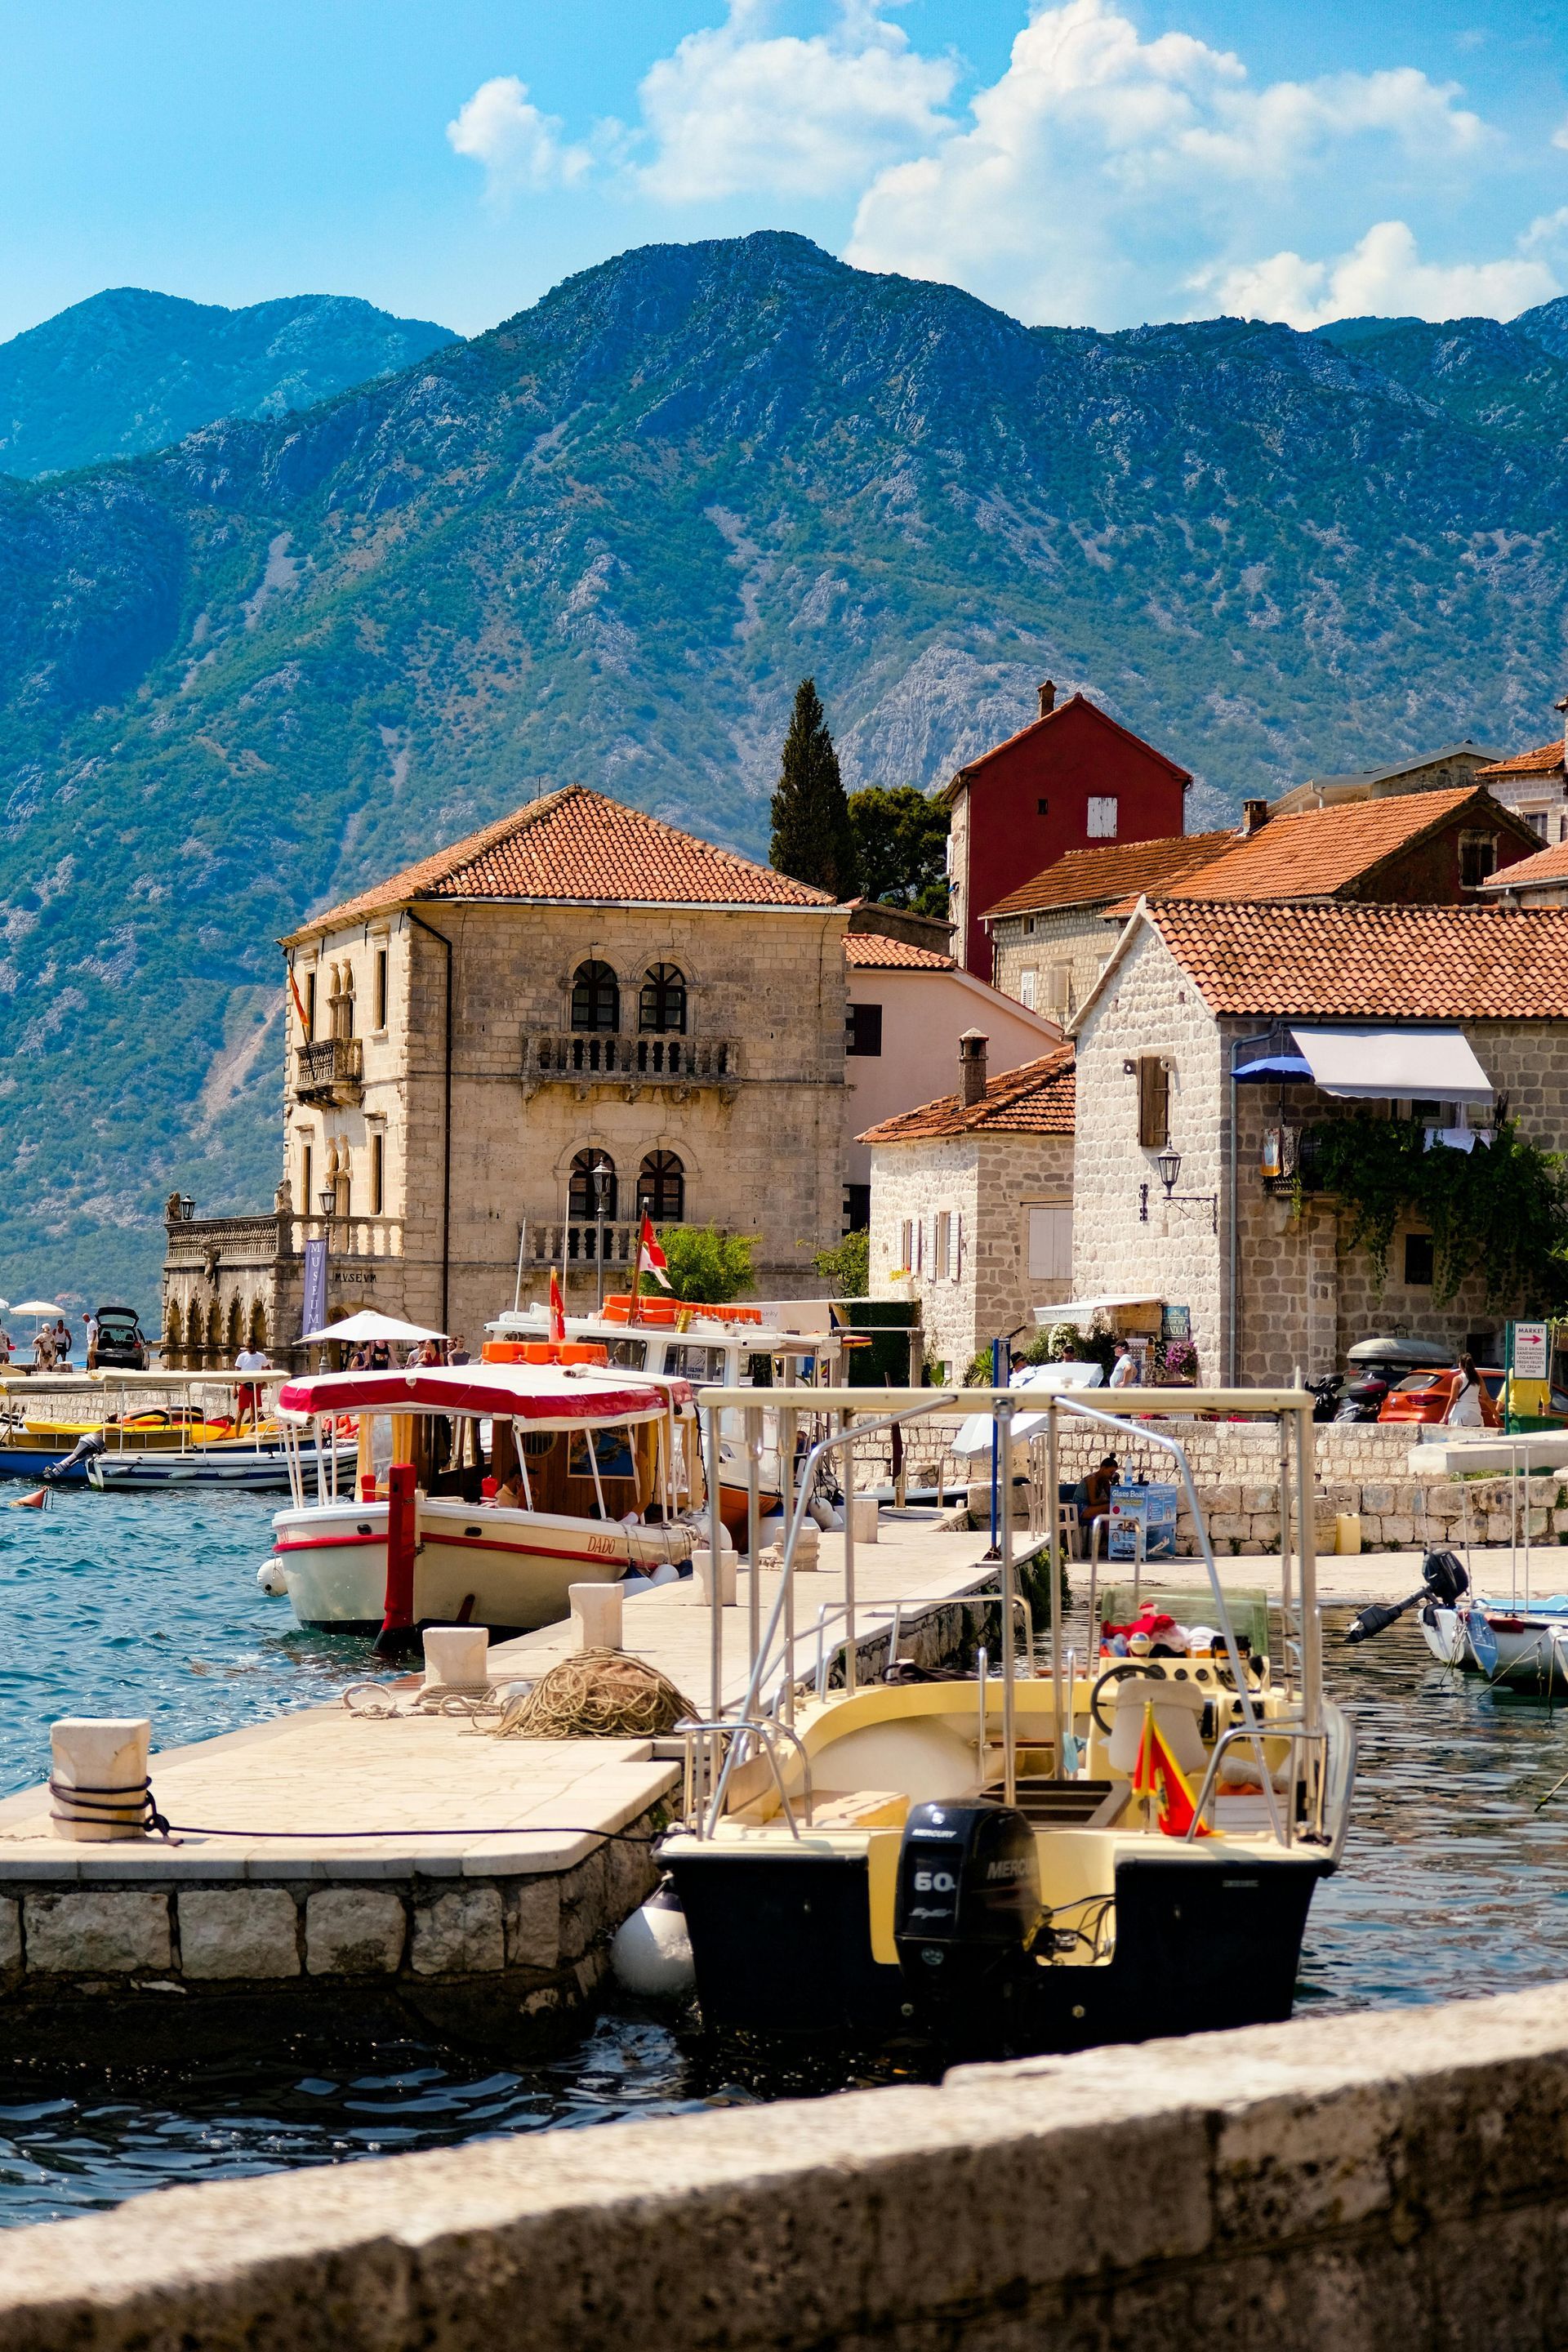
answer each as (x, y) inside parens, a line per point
(595, 1615)
(456, 1657)
(105, 1757)
(702, 1570)
(865, 1509)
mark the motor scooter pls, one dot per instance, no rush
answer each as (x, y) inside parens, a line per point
(1363, 1399)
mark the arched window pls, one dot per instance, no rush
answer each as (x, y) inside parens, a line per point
(583, 1204)
(595, 997)
(662, 1010)
(234, 1327)
(661, 1188)
(257, 1333)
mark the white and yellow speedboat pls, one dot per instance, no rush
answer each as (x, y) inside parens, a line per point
(1020, 1862)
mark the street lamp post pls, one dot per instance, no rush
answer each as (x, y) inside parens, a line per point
(603, 1173)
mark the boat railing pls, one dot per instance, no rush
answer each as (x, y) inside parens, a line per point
(1274, 1728)
(712, 1744)
(918, 1604)
(901, 1408)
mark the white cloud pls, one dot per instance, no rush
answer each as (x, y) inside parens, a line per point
(1097, 149)
(500, 127)
(737, 111)
(1384, 276)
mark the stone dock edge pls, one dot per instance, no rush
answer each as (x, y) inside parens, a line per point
(1393, 2176)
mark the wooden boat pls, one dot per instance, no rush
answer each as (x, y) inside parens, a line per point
(606, 1463)
(706, 1346)
(1023, 1861)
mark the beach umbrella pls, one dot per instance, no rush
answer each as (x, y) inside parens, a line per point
(38, 1306)
(367, 1325)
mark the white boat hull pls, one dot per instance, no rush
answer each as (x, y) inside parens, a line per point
(256, 1471)
(1531, 1651)
(508, 1569)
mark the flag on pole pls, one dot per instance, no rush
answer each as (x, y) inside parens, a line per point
(651, 1259)
(304, 1027)
(557, 1308)
(1157, 1774)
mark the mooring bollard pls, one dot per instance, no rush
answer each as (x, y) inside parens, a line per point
(455, 1657)
(865, 1507)
(98, 1785)
(595, 1615)
(702, 1570)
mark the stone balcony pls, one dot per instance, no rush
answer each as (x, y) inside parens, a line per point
(555, 1242)
(603, 1060)
(330, 1070)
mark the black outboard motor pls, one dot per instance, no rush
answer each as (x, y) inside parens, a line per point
(968, 1901)
(1444, 1582)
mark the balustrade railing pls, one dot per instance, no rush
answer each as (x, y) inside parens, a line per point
(326, 1066)
(579, 1057)
(577, 1240)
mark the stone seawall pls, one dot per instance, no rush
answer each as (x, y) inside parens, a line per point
(1353, 2182)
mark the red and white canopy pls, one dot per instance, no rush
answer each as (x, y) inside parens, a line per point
(548, 1396)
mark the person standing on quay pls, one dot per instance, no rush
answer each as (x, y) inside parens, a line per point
(91, 1319)
(250, 1359)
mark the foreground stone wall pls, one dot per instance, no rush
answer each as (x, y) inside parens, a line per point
(1353, 2182)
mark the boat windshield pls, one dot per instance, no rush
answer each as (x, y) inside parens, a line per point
(630, 1353)
(695, 1363)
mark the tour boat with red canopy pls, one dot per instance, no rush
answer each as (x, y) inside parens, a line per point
(482, 1491)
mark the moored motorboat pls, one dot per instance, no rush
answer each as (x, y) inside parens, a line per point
(1021, 1861)
(602, 1463)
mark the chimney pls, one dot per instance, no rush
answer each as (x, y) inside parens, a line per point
(971, 1065)
(1047, 694)
(1563, 707)
(1254, 816)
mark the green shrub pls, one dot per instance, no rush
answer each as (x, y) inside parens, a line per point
(705, 1265)
(848, 1265)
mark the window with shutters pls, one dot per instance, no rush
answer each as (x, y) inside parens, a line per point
(1050, 1241)
(1153, 1102)
(907, 1244)
(942, 1245)
(1101, 819)
(1027, 986)
(1059, 987)
(863, 1029)
(1478, 858)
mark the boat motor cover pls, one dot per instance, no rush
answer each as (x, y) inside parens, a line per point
(968, 1874)
(1444, 1577)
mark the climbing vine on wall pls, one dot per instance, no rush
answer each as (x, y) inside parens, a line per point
(1499, 1210)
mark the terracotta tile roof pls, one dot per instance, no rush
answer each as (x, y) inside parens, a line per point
(576, 844)
(1539, 762)
(1361, 962)
(1321, 851)
(1092, 876)
(870, 952)
(972, 768)
(1546, 866)
(1035, 1099)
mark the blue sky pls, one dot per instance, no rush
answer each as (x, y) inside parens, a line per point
(1100, 162)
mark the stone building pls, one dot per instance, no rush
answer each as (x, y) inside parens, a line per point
(1418, 772)
(1071, 778)
(1223, 1034)
(1535, 784)
(576, 996)
(908, 1009)
(972, 1203)
(1051, 938)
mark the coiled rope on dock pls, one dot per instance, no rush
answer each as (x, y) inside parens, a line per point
(599, 1694)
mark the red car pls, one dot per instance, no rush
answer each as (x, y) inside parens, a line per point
(1427, 1396)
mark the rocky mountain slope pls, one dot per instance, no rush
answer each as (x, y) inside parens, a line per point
(129, 371)
(603, 541)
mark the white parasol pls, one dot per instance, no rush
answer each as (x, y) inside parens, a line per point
(38, 1306)
(367, 1325)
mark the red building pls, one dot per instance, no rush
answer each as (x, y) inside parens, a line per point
(1073, 779)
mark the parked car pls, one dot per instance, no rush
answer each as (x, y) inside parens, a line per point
(121, 1346)
(1426, 1397)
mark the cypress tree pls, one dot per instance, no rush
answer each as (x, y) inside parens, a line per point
(813, 840)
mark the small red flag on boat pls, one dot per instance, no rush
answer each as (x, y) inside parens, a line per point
(557, 1308)
(651, 1259)
(1157, 1774)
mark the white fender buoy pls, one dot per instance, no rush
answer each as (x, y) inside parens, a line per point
(651, 1955)
(272, 1580)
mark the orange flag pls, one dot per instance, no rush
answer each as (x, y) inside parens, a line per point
(557, 1308)
(300, 1009)
(1157, 1774)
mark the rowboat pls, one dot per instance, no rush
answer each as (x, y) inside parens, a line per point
(603, 1464)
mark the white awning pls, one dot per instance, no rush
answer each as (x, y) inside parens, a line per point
(1075, 1311)
(1398, 1063)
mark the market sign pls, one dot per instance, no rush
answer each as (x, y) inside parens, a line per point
(1529, 1352)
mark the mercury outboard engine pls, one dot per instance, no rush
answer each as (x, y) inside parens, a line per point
(968, 1901)
(1444, 1582)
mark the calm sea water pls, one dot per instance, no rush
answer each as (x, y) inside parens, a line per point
(1452, 1882)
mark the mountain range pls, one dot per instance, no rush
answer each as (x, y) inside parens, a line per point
(243, 674)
